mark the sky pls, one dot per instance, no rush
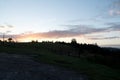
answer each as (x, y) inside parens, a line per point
(88, 21)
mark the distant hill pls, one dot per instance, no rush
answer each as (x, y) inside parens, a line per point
(112, 46)
(91, 52)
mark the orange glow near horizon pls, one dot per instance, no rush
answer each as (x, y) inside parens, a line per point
(47, 37)
(27, 39)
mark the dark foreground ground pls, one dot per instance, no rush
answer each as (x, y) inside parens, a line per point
(21, 67)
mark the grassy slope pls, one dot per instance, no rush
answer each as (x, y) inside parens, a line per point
(94, 71)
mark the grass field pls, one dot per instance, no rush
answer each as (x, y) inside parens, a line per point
(93, 71)
(81, 65)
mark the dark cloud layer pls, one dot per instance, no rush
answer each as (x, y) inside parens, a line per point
(74, 30)
(97, 38)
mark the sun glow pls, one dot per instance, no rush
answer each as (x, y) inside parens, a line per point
(27, 39)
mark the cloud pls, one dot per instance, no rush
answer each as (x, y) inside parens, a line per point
(111, 32)
(88, 29)
(114, 12)
(79, 30)
(114, 26)
(6, 26)
(115, 8)
(111, 11)
(10, 26)
(72, 31)
(111, 45)
(2, 26)
(101, 38)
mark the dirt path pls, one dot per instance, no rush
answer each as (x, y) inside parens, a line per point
(19, 67)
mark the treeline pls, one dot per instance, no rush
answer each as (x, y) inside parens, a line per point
(90, 52)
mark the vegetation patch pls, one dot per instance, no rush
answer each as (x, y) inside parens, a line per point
(95, 62)
(92, 70)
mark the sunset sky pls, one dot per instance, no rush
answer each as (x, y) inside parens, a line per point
(88, 21)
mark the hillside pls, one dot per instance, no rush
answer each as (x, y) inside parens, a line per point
(90, 59)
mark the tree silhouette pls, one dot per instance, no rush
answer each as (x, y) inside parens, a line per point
(73, 41)
(10, 39)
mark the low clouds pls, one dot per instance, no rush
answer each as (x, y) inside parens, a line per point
(101, 38)
(73, 31)
(2, 26)
(78, 30)
(6, 26)
(87, 29)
